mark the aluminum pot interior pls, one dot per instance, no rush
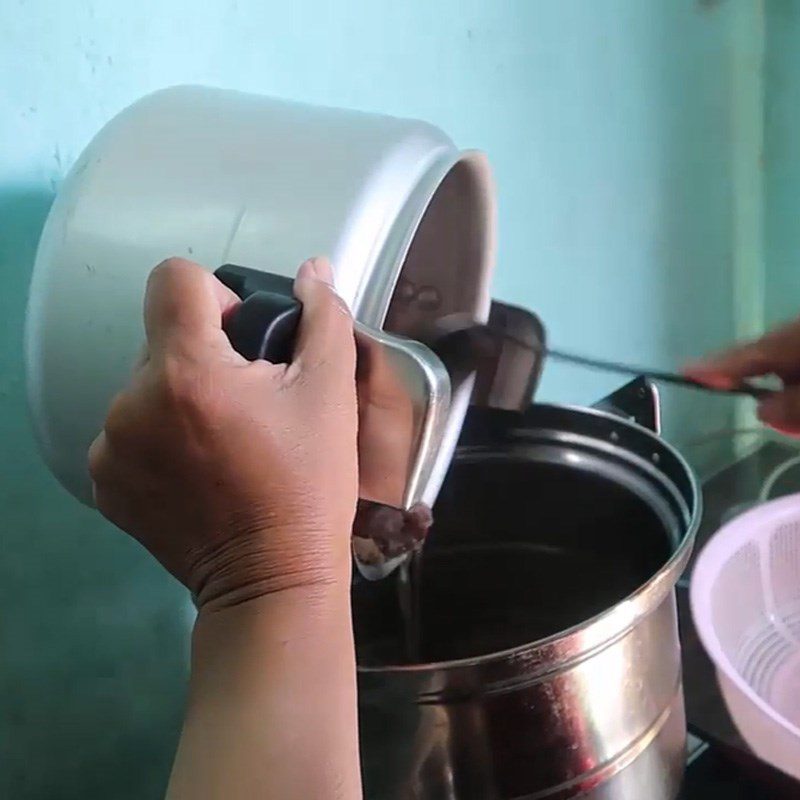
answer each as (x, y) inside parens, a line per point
(545, 524)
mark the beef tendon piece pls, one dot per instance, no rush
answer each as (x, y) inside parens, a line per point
(381, 533)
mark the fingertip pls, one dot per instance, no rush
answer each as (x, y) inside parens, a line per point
(182, 301)
(314, 285)
(321, 269)
(176, 274)
(315, 270)
(172, 269)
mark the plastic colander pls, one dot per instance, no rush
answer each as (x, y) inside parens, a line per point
(745, 596)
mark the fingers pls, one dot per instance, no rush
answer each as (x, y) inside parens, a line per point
(107, 483)
(782, 411)
(325, 339)
(183, 308)
(141, 359)
(727, 369)
(119, 492)
(776, 353)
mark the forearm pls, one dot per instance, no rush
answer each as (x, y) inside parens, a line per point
(272, 704)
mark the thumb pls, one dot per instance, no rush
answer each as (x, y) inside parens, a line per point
(184, 306)
(325, 339)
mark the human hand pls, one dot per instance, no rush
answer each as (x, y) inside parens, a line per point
(239, 477)
(775, 353)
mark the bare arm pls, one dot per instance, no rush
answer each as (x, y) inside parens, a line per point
(272, 706)
(241, 479)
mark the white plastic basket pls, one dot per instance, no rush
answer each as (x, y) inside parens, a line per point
(745, 596)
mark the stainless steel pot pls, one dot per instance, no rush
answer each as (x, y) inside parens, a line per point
(550, 661)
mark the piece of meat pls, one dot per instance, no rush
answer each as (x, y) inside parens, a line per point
(382, 532)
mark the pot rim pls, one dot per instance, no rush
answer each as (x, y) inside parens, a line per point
(580, 641)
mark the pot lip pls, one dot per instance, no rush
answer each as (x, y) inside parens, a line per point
(379, 280)
(608, 625)
(374, 294)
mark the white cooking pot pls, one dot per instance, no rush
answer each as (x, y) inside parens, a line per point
(223, 177)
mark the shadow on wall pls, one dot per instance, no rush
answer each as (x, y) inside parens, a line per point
(94, 635)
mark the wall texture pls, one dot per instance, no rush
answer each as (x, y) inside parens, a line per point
(614, 132)
(781, 160)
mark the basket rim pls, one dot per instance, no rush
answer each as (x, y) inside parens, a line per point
(749, 527)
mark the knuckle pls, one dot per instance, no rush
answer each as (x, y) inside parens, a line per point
(118, 419)
(96, 465)
(298, 376)
(98, 461)
(329, 365)
(340, 306)
(191, 390)
(338, 322)
(177, 384)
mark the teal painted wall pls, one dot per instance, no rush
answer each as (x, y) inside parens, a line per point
(781, 159)
(612, 127)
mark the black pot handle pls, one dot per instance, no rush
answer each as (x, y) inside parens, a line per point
(265, 325)
(637, 401)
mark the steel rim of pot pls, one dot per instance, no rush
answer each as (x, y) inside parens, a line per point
(583, 639)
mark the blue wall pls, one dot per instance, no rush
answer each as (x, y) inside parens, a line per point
(781, 159)
(611, 125)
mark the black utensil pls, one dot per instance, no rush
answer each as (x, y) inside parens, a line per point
(748, 388)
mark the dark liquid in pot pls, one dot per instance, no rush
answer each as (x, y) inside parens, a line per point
(409, 598)
(481, 599)
(509, 561)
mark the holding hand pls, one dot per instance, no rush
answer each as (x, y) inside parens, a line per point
(776, 353)
(239, 477)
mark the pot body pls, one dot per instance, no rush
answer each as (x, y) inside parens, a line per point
(223, 177)
(548, 661)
